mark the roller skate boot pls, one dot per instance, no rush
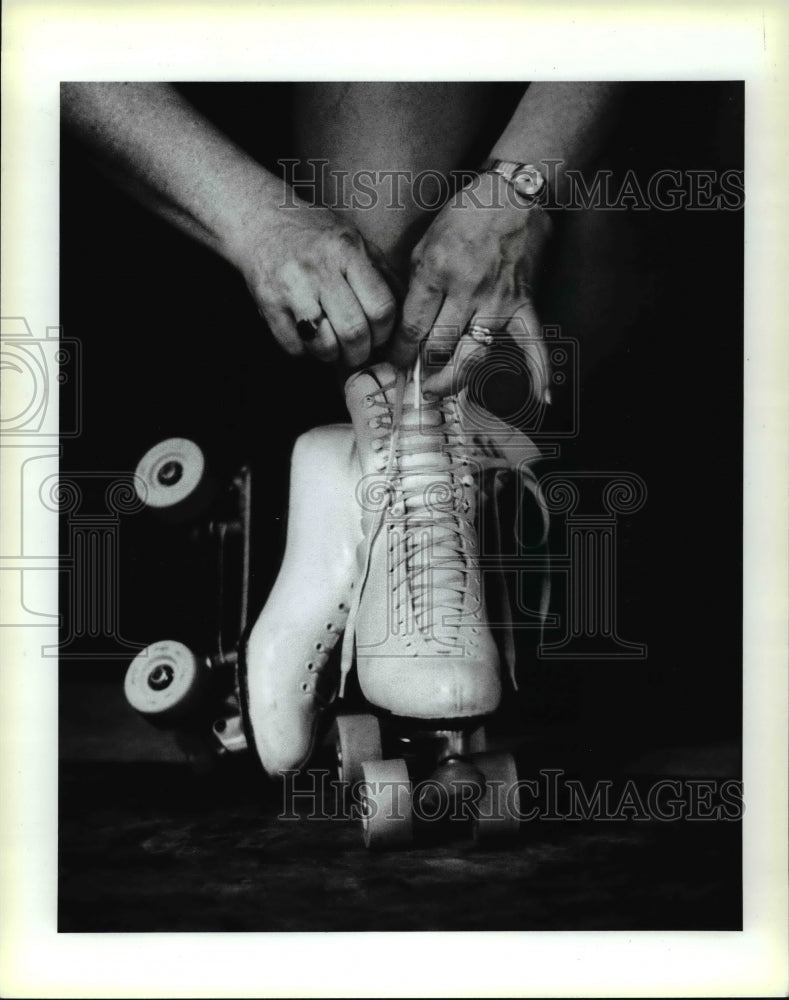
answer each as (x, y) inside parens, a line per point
(418, 631)
(422, 642)
(287, 682)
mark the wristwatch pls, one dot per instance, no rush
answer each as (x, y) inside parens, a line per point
(524, 178)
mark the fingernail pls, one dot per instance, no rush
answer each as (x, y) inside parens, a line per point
(431, 397)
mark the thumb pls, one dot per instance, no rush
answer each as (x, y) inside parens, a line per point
(526, 331)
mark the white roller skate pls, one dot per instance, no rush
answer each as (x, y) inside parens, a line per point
(424, 650)
(285, 678)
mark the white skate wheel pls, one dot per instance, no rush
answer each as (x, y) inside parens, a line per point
(171, 474)
(358, 740)
(164, 681)
(498, 809)
(386, 801)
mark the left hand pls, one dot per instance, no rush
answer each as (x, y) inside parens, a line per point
(476, 264)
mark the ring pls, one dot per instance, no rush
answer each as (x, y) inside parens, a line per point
(481, 334)
(307, 329)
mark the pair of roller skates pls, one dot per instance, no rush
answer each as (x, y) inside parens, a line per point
(383, 570)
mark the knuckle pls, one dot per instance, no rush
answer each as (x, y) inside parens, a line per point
(383, 310)
(288, 275)
(349, 238)
(354, 333)
(437, 260)
(288, 279)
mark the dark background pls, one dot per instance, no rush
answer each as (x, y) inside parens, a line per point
(172, 345)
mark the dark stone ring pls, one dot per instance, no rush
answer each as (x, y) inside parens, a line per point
(307, 329)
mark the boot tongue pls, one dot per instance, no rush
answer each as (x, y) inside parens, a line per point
(433, 496)
(428, 496)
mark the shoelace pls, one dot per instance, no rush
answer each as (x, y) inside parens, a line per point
(432, 560)
(490, 459)
(464, 454)
(426, 497)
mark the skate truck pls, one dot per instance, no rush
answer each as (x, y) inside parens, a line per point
(381, 585)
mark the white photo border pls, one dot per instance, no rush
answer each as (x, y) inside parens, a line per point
(45, 43)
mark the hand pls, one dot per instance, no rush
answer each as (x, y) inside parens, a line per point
(303, 263)
(476, 264)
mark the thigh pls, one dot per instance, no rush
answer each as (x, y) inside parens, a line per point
(391, 148)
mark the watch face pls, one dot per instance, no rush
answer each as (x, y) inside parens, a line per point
(528, 181)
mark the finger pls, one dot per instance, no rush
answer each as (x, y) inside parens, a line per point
(374, 296)
(316, 334)
(453, 377)
(525, 329)
(301, 313)
(323, 344)
(281, 324)
(421, 306)
(468, 353)
(347, 317)
(439, 357)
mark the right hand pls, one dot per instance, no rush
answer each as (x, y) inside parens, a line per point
(305, 263)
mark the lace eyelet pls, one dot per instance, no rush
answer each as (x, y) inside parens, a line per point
(319, 646)
(305, 687)
(310, 666)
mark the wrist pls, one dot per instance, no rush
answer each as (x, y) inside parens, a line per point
(253, 212)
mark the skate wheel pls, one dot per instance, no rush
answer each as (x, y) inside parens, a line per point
(386, 804)
(171, 477)
(358, 740)
(497, 812)
(164, 682)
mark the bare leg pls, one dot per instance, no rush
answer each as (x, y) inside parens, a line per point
(381, 128)
(426, 127)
